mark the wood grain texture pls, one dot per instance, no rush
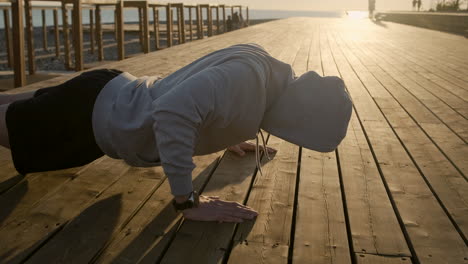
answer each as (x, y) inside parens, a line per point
(272, 195)
(320, 223)
(146, 235)
(404, 180)
(374, 226)
(376, 259)
(416, 126)
(207, 242)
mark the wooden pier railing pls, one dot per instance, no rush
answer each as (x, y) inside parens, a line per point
(205, 25)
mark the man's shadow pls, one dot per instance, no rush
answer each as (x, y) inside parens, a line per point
(163, 229)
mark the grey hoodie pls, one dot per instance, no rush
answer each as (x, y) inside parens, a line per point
(219, 100)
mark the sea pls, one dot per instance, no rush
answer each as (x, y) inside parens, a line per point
(131, 15)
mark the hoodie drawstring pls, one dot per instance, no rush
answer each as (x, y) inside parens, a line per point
(257, 151)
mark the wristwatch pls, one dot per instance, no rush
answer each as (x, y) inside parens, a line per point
(192, 202)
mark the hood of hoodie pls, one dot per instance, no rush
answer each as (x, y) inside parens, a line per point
(313, 112)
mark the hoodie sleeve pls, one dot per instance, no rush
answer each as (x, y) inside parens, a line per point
(178, 115)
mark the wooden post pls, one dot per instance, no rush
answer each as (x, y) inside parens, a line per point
(120, 30)
(156, 27)
(140, 29)
(56, 34)
(199, 22)
(169, 25)
(78, 34)
(44, 30)
(146, 41)
(218, 28)
(179, 26)
(18, 39)
(116, 27)
(97, 13)
(224, 20)
(210, 21)
(30, 34)
(8, 37)
(66, 37)
(190, 23)
(248, 20)
(91, 31)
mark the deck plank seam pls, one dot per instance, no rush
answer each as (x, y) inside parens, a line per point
(387, 188)
(125, 223)
(352, 251)
(428, 80)
(412, 158)
(181, 219)
(412, 118)
(231, 242)
(416, 98)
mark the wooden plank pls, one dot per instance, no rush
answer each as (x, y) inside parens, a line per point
(18, 200)
(66, 36)
(56, 34)
(8, 174)
(100, 48)
(199, 22)
(180, 37)
(30, 36)
(44, 30)
(441, 71)
(190, 24)
(78, 34)
(374, 225)
(209, 18)
(456, 103)
(267, 239)
(218, 26)
(422, 216)
(18, 47)
(8, 37)
(81, 238)
(319, 189)
(376, 259)
(156, 27)
(145, 21)
(57, 209)
(149, 231)
(378, 230)
(169, 22)
(91, 31)
(447, 183)
(119, 22)
(207, 241)
(140, 27)
(416, 86)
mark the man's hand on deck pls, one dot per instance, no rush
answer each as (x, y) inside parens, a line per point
(243, 147)
(211, 208)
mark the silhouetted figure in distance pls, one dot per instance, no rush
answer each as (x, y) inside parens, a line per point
(371, 8)
(415, 2)
(419, 5)
(229, 24)
(235, 20)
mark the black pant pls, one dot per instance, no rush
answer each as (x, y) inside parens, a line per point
(53, 130)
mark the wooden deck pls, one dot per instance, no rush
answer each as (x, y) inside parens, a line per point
(395, 191)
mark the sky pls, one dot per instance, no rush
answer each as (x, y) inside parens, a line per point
(321, 4)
